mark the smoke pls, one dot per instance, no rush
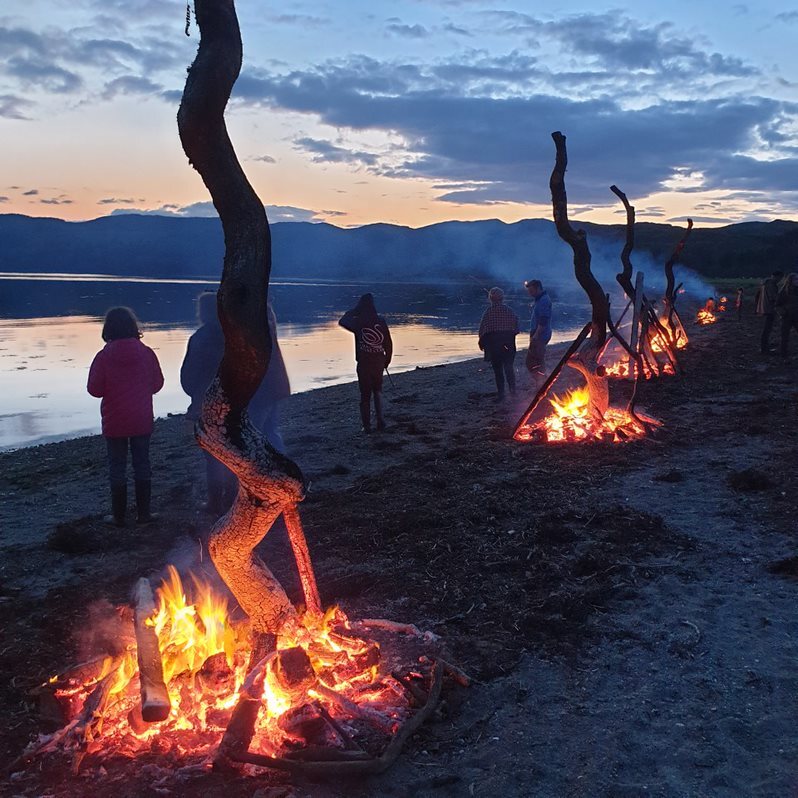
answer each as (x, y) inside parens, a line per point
(543, 255)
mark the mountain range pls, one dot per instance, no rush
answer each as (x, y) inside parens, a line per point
(174, 247)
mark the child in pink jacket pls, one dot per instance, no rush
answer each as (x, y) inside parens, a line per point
(125, 374)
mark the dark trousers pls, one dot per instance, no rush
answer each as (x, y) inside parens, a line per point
(764, 342)
(222, 484)
(117, 458)
(536, 356)
(502, 362)
(787, 323)
(369, 380)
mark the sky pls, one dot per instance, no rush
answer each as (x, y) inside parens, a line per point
(412, 111)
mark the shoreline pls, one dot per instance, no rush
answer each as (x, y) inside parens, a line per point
(628, 609)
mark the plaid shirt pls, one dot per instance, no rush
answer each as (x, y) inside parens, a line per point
(498, 318)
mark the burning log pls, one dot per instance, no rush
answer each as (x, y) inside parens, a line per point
(352, 762)
(155, 703)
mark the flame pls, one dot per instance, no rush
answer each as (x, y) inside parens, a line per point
(205, 656)
(705, 317)
(572, 421)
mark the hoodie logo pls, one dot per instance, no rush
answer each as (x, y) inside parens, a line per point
(371, 339)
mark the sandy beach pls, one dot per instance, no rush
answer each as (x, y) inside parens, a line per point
(628, 610)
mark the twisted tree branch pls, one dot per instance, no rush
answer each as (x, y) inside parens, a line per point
(269, 482)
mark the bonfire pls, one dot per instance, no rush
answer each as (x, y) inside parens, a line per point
(329, 692)
(572, 421)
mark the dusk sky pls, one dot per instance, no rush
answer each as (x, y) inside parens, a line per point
(411, 111)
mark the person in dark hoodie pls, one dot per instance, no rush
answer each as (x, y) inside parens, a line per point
(125, 374)
(373, 353)
(203, 355)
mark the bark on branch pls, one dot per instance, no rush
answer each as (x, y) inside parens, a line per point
(578, 243)
(670, 284)
(269, 482)
(625, 277)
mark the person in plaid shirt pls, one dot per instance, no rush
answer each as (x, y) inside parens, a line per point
(497, 332)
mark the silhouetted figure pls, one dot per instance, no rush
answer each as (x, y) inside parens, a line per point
(539, 330)
(125, 374)
(766, 306)
(373, 353)
(787, 304)
(200, 364)
(738, 303)
(497, 331)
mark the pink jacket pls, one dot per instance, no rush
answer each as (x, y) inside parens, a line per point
(125, 374)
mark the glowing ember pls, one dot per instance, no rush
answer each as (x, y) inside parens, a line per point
(205, 657)
(704, 317)
(571, 421)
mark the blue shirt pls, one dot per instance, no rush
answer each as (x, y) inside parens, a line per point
(541, 317)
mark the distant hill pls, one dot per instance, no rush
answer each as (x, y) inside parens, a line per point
(160, 246)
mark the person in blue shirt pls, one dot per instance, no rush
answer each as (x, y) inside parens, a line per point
(539, 330)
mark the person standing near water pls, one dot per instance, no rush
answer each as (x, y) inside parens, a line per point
(126, 374)
(539, 330)
(497, 331)
(373, 353)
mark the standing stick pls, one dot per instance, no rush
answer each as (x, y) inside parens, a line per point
(155, 704)
(299, 546)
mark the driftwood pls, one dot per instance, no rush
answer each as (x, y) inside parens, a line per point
(550, 380)
(155, 703)
(670, 285)
(577, 240)
(624, 278)
(351, 763)
(269, 482)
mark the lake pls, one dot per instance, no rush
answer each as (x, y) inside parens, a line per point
(50, 330)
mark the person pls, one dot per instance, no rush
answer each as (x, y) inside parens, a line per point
(709, 305)
(126, 374)
(497, 331)
(738, 303)
(766, 306)
(203, 355)
(539, 330)
(373, 353)
(787, 304)
(264, 405)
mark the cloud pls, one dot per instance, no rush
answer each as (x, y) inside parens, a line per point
(788, 17)
(56, 201)
(408, 31)
(303, 20)
(115, 201)
(30, 192)
(477, 123)
(130, 85)
(262, 158)
(13, 107)
(275, 213)
(327, 152)
(58, 61)
(4, 199)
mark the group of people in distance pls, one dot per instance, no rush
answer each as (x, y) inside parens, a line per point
(778, 295)
(125, 374)
(499, 327)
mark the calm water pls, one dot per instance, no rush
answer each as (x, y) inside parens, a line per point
(50, 331)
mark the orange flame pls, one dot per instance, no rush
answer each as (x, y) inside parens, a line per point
(572, 421)
(205, 654)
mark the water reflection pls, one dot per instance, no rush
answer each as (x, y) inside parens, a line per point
(50, 331)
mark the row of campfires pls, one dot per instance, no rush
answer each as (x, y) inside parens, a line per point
(572, 419)
(326, 688)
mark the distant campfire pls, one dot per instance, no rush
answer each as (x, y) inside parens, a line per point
(327, 693)
(572, 421)
(585, 414)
